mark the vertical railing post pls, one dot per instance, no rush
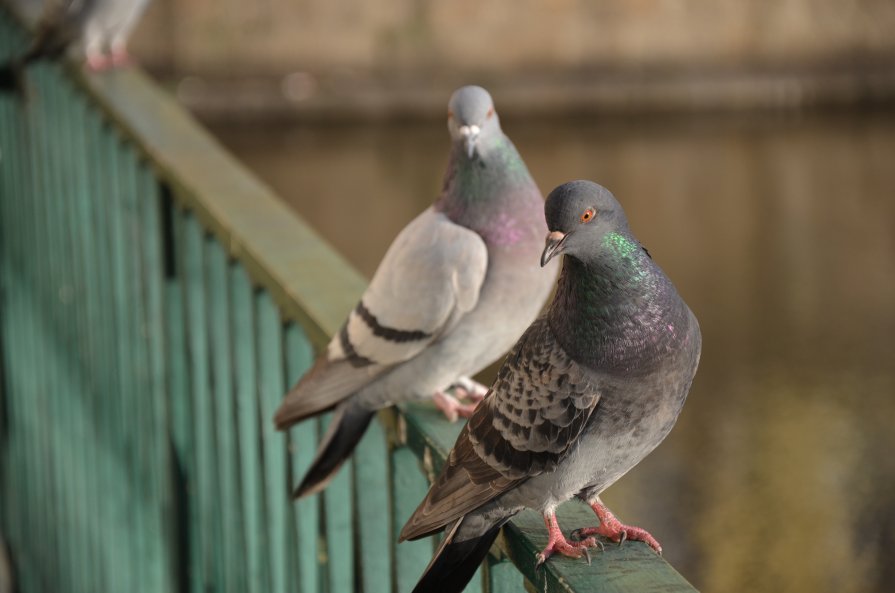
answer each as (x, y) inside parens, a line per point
(220, 339)
(155, 408)
(204, 566)
(302, 443)
(338, 513)
(269, 348)
(409, 486)
(249, 427)
(374, 514)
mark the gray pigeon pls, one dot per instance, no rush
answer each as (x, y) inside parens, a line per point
(588, 391)
(100, 28)
(457, 287)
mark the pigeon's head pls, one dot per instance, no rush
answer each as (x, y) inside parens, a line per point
(579, 214)
(472, 119)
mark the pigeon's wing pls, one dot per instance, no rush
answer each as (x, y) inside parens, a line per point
(537, 408)
(430, 278)
(431, 275)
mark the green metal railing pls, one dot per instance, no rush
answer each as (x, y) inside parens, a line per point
(157, 300)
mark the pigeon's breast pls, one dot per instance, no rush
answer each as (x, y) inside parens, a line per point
(513, 294)
(633, 416)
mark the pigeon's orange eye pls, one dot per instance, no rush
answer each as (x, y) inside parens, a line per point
(450, 114)
(588, 215)
(490, 113)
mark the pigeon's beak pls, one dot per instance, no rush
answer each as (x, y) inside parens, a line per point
(470, 136)
(553, 246)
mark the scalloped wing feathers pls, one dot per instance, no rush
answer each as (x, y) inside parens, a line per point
(536, 410)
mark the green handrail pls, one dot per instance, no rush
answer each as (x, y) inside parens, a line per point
(157, 301)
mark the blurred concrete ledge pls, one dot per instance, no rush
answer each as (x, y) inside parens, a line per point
(347, 95)
(336, 60)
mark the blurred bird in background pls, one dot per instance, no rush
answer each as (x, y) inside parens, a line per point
(98, 28)
(589, 390)
(456, 288)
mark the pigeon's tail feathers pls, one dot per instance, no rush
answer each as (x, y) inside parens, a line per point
(345, 430)
(466, 484)
(457, 559)
(12, 77)
(322, 388)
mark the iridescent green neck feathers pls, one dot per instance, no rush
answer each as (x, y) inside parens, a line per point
(615, 310)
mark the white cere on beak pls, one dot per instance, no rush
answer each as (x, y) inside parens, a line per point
(468, 131)
(470, 134)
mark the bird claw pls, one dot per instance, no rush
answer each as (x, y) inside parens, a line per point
(557, 543)
(621, 536)
(121, 58)
(451, 407)
(580, 535)
(466, 388)
(542, 557)
(463, 388)
(615, 531)
(97, 62)
(568, 549)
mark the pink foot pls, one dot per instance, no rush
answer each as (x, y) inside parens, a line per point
(466, 388)
(451, 407)
(97, 62)
(615, 530)
(559, 544)
(121, 58)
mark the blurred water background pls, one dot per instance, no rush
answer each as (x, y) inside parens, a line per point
(752, 145)
(778, 231)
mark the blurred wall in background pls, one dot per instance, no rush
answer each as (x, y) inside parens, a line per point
(392, 56)
(410, 37)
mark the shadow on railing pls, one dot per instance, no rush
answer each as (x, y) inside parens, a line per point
(157, 301)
